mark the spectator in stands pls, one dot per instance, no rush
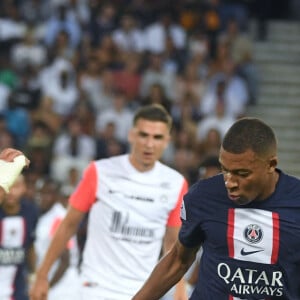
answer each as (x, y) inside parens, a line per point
(128, 36)
(18, 219)
(241, 49)
(28, 52)
(119, 115)
(59, 83)
(102, 22)
(72, 148)
(155, 73)
(18, 122)
(234, 94)
(128, 78)
(62, 18)
(157, 95)
(166, 26)
(218, 119)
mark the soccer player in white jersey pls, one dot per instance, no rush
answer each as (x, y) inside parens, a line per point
(64, 271)
(134, 204)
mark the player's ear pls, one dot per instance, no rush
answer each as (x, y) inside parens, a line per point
(167, 140)
(273, 161)
(130, 135)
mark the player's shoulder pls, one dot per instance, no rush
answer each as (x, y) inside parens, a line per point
(29, 208)
(111, 161)
(288, 184)
(211, 185)
(210, 188)
(166, 171)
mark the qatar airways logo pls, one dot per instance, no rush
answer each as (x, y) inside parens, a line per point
(245, 282)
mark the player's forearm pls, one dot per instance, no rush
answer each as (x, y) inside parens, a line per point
(165, 275)
(64, 263)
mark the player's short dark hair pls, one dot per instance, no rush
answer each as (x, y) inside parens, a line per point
(250, 134)
(153, 112)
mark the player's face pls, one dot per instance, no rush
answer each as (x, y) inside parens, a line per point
(248, 177)
(17, 190)
(148, 140)
(46, 197)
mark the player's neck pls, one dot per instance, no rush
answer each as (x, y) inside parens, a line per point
(139, 166)
(11, 209)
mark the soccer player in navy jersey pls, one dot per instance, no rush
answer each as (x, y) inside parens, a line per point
(247, 221)
(18, 219)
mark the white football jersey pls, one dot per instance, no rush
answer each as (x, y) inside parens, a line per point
(129, 212)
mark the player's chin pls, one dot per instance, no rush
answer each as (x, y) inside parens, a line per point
(240, 200)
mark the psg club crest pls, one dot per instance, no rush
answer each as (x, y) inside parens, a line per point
(253, 233)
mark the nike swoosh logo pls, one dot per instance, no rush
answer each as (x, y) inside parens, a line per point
(244, 253)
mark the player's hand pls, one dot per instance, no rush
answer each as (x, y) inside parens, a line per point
(39, 289)
(12, 162)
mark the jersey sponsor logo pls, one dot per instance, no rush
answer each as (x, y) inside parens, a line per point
(133, 197)
(121, 229)
(12, 256)
(245, 253)
(253, 233)
(249, 282)
(253, 229)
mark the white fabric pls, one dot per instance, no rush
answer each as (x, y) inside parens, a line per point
(12, 237)
(235, 98)
(155, 37)
(9, 171)
(126, 226)
(129, 41)
(221, 124)
(67, 287)
(122, 120)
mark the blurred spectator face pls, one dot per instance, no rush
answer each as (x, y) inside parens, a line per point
(127, 22)
(47, 196)
(16, 192)
(6, 140)
(74, 127)
(209, 167)
(114, 147)
(156, 93)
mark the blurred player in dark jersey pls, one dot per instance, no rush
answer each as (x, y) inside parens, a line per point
(18, 218)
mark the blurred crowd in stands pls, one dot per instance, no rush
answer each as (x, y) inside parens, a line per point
(72, 72)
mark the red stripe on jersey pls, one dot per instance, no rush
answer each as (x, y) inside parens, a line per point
(276, 237)
(230, 231)
(174, 217)
(54, 226)
(85, 194)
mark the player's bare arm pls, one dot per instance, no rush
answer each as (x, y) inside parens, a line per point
(167, 272)
(169, 240)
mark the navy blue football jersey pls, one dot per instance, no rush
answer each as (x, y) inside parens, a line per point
(17, 233)
(250, 251)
